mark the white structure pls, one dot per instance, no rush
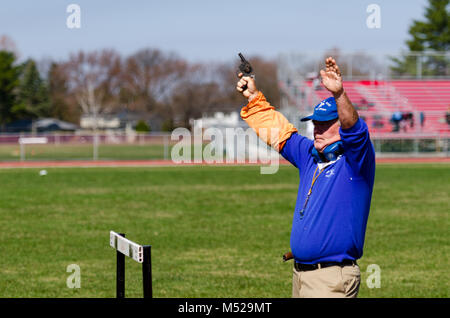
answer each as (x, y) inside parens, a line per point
(233, 130)
(88, 122)
(219, 120)
(126, 247)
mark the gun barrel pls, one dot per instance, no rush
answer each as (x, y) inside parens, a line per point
(242, 57)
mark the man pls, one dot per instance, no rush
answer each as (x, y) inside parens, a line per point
(337, 172)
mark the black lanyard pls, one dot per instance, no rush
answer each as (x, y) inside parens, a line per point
(302, 211)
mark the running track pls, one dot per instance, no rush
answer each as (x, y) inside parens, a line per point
(165, 163)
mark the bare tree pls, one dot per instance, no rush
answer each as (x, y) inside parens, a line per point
(150, 77)
(63, 104)
(209, 88)
(7, 44)
(195, 94)
(94, 80)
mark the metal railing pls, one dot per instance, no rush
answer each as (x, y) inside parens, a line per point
(85, 146)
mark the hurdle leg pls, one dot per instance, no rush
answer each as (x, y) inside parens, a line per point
(120, 276)
(147, 271)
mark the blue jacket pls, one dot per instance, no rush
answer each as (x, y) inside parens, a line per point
(334, 222)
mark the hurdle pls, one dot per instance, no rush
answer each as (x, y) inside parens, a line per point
(30, 141)
(140, 253)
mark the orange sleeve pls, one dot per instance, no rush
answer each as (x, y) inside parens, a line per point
(259, 114)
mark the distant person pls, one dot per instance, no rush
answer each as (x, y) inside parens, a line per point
(395, 120)
(364, 104)
(411, 119)
(337, 172)
(422, 120)
(447, 116)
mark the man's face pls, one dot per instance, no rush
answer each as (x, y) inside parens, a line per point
(325, 133)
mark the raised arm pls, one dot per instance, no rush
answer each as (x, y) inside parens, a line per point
(270, 125)
(354, 131)
(332, 80)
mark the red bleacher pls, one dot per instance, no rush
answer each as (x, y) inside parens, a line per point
(378, 100)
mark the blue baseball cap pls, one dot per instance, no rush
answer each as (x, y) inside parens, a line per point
(324, 111)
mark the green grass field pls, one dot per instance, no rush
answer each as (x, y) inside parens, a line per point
(214, 231)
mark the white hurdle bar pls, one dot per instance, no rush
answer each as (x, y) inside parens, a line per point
(139, 253)
(30, 141)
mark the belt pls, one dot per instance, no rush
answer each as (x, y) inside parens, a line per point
(299, 267)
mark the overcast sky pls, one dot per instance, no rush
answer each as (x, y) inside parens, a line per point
(207, 30)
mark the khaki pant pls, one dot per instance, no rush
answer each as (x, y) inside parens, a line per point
(328, 282)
